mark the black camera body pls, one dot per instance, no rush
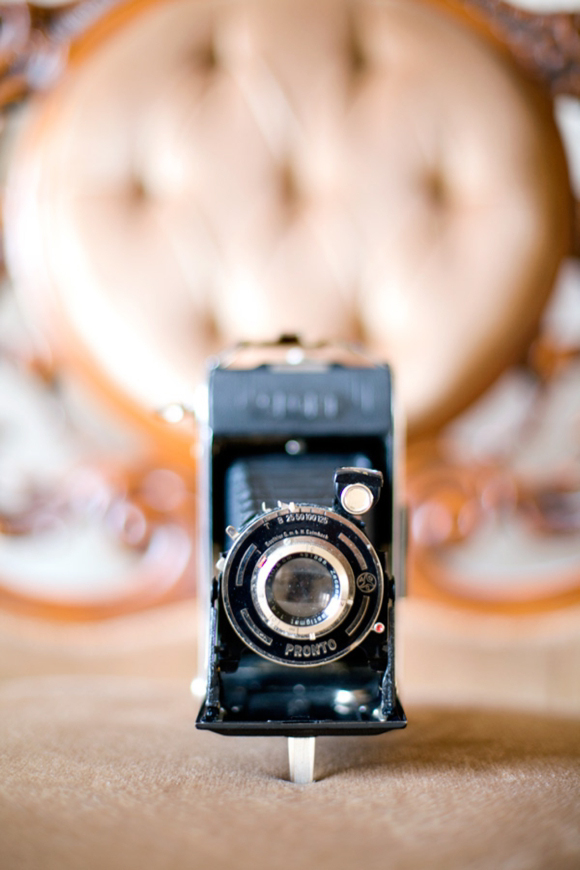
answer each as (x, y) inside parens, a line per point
(303, 536)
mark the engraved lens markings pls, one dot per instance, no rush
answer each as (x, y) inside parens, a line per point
(295, 517)
(244, 564)
(359, 617)
(253, 627)
(354, 549)
(310, 650)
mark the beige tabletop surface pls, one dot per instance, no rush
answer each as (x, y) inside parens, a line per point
(109, 772)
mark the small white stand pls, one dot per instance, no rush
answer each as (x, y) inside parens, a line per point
(301, 759)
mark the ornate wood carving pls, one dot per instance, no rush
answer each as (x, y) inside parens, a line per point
(547, 46)
(31, 36)
(34, 43)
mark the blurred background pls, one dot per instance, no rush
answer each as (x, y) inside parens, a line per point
(181, 175)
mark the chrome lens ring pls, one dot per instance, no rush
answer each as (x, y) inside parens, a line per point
(285, 553)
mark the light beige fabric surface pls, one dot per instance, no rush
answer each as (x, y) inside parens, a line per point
(106, 772)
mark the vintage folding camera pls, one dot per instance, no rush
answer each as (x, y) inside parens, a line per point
(304, 542)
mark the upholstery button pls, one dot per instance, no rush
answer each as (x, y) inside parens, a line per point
(290, 192)
(435, 190)
(137, 192)
(204, 58)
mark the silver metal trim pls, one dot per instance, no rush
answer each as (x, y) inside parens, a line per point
(354, 549)
(336, 609)
(244, 564)
(253, 627)
(350, 499)
(301, 751)
(359, 617)
(397, 566)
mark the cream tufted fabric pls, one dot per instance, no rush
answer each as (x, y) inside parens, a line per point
(211, 172)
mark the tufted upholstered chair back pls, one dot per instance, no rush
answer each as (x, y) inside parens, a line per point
(343, 169)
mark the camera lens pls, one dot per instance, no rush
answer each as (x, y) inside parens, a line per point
(301, 588)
